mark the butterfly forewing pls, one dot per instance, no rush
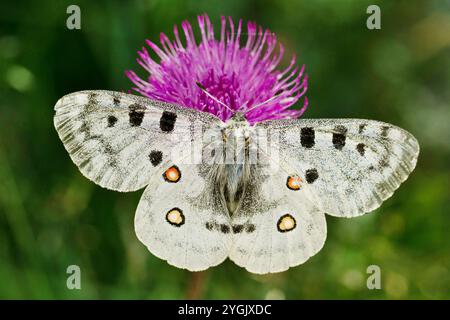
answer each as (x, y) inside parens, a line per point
(118, 140)
(350, 166)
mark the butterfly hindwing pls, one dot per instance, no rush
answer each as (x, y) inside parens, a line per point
(350, 166)
(181, 220)
(282, 228)
(118, 140)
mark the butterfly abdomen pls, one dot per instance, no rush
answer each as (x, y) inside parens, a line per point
(231, 184)
(232, 172)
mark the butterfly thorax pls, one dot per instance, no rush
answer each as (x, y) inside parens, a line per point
(232, 173)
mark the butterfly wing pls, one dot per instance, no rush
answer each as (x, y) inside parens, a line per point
(341, 167)
(183, 220)
(119, 140)
(276, 227)
(350, 166)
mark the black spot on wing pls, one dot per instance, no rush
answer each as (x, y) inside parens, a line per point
(361, 148)
(247, 227)
(339, 137)
(311, 175)
(362, 127)
(155, 157)
(250, 227)
(224, 228)
(136, 114)
(90, 106)
(167, 121)
(238, 228)
(384, 131)
(307, 137)
(111, 121)
(92, 98)
(116, 101)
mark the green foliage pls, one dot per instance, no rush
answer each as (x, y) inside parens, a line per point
(52, 217)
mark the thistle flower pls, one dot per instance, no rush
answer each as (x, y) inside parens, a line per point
(243, 77)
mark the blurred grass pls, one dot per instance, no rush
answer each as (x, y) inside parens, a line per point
(52, 217)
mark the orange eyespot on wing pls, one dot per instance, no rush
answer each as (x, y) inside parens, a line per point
(286, 223)
(175, 217)
(173, 174)
(294, 182)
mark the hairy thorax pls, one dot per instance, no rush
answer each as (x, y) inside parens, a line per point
(233, 172)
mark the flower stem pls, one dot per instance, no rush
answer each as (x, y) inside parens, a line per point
(196, 285)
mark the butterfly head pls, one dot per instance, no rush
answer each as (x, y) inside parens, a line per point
(237, 126)
(238, 117)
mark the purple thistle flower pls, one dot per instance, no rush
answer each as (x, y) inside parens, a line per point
(243, 77)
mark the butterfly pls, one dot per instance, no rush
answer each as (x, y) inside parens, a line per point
(256, 194)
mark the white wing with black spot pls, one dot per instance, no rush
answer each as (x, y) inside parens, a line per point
(350, 165)
(118, 140)
(182, 220)
(277, 226)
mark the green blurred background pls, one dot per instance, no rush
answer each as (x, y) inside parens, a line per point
(52, 217)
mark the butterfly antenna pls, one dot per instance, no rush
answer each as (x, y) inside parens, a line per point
(264, 102)
(212, 97)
